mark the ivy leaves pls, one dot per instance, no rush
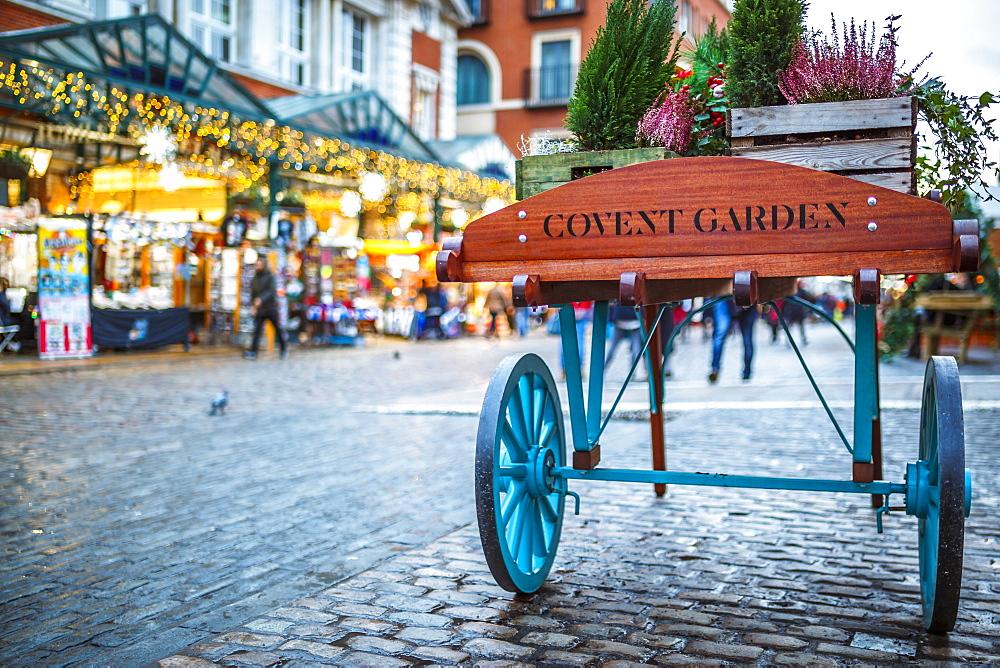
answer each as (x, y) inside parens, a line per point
(958, 156)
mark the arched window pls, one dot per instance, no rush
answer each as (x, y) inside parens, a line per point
(473, 80)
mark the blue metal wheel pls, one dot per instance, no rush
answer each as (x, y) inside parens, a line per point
(519, 502)
(939, 493)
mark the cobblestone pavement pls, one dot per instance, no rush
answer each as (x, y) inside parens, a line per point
(300, 530)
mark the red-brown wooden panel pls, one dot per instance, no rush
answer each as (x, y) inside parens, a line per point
(715, 266)
(689, 207)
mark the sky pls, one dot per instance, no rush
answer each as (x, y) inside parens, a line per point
(963, 37)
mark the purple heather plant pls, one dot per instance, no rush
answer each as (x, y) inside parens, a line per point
(668, 123)
(825, 71)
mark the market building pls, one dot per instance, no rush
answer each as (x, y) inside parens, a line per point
(180, 144)
(517, 61)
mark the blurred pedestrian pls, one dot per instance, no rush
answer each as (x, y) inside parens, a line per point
(498, 306)
(6, 319)
(435, 304)
(796, 312)
(582, 314)
(771, 318)
(264, 306)
(724, 313)
(626, 328)
(522, 317)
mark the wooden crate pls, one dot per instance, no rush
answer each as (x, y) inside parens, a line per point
(866, 140)
(538, 173)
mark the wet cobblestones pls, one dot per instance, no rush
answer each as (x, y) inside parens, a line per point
(719, 577)
(298, 530)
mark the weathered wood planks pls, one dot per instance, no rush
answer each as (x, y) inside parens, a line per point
(866, 140)
(820, 117)
(537, 173)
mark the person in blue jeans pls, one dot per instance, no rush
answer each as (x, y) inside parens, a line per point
(724, 313)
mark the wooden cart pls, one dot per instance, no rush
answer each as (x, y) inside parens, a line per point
(667, 230)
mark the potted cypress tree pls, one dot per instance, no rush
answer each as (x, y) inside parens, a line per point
(626, 69)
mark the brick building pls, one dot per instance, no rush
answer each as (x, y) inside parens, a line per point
(517, 62)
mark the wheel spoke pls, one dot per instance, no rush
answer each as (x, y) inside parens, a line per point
(526, 389)
(510, 503)
(548, 512)
(515, 409)
(548, 431)
(540, 544)
(526, 545)
(515, 528)
(541, 402)
(517, 449)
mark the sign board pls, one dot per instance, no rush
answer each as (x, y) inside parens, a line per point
(706, 218)
(63, 289)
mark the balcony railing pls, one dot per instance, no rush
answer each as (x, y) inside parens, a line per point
(549, 86)
(537, 9)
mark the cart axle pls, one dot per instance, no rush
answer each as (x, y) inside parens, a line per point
(727, 480)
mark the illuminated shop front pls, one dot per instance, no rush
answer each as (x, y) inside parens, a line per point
(175, 163)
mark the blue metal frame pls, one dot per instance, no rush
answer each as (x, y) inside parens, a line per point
(587, 427)
(727, 480)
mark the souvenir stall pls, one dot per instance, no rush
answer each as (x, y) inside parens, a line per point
(19, 264)
(333, 275)
(231, 315)
(396, 277)
(140, 272)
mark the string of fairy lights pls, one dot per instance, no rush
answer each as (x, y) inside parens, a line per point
(252, 146)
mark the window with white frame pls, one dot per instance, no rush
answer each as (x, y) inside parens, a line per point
(555, 58)
(538, 8)
(120, 8)
(355, 49)
(684, 18)
(425, 102)
(213, 27)
(293, 43)
(82, 8)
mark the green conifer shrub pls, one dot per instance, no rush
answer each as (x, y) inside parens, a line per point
(761, 36)
(629, 63)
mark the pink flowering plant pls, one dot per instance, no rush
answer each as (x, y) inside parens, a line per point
(690, 117)
(668, 122)
(826, 70)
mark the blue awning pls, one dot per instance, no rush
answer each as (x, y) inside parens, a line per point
(362, 117)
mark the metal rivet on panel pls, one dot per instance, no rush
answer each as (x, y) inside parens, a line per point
(522, 238)
(872, 201)
(522, 215)
(872, 226)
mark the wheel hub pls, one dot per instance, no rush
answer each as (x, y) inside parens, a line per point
(541, 462)
(918, 487)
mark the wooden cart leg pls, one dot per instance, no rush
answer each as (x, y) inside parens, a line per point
(655, 366)
(877, 499)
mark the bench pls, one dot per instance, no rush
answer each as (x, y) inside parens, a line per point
(953, 315)
(7, 334)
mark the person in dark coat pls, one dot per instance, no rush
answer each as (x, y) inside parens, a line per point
(6, 319)
(796, 314)
(264, 306)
